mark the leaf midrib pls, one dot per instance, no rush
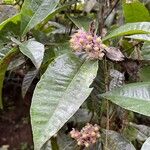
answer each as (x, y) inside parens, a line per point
(127, 97)
(65, 91)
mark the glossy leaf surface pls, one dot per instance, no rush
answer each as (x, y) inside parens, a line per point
(134, 97)
(34, 12)
(59, 94)
(142, 37)
(3, 67)
(117, 142)
(135, 11)
(145, 51)
(130, 28)
(33, 50)
(146, 144)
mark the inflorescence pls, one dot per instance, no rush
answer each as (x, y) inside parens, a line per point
(87, 136)
(89, 43)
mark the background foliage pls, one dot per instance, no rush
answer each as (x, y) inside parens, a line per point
(68, 89)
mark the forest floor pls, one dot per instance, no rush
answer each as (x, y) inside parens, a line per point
(15, 126)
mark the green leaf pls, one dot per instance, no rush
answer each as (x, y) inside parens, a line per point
(34, 12)
(17, 62)
(13, 19)
(9, 2)
(145, 52)
(146, 144)
(127, 47)
(94, 103)
(135, 12)
(130, 28)
(142, 37)
(116, 141)
(134, 97)
(81, 22)
(33, 50)
(59, 94)
(7, 11)
(144, 73)
(3, 67)
(27, 81)
(10, 27)
(62, 48)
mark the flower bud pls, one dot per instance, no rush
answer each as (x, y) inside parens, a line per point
(76, 47)
(81, 41)
(79, 143)
(93, 133)
(96, 128)
(98, 39)
(84, 135)
(86, 144)
(98, 135)
(96, 48)
(72, 40)
(90, 38)
(101, 55)
(93, 141)
(88, 47)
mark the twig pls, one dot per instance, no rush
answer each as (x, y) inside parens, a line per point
(107, 102)
(100, 17)
(111, 10)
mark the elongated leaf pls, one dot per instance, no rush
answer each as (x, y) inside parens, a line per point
(130, 28)
(33, 50)
(134, 97)
(146, 51)
(7, 11)
(146, 144)
(82, 22)
(142, 37)
(3, 67)
(16, 62)
(117, 142)
(135, 11)
(144, 73)
(13, 19)
(34, 12)
(89, 5)
(28, 79)
(143, 131)
(10, 27)
(59, 94)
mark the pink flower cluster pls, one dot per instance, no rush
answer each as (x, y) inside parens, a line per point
(83, 41)
(87, 136)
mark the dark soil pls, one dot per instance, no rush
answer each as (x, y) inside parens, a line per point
(15, 127)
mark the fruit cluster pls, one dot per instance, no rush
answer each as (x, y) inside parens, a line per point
(87, 136)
